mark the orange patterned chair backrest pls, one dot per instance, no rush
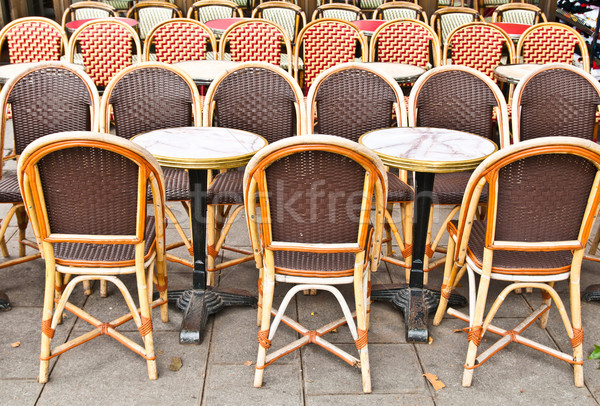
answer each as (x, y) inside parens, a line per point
(33, 39)
(106, 48)
(478, 46)
(405, 41)
(326, 43)
(178, 40)
(552, 43)
(255, 40)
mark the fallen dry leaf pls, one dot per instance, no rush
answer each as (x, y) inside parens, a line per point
(457, 330)
(176, 364)
(16, 344)
(430, 341)
(434, 381)
(248, 363)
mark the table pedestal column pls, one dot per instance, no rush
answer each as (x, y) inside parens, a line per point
(202, 301)
(4, 302)
(413, 299)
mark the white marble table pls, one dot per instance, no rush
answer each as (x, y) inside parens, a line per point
(513, 73)
(10, 70)
(205, 71)
(199, 149)
(426, 151)
(401, 72)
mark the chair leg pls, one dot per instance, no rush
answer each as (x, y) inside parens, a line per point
(361, 324)
(22, 222)
(47, 312)
(449, 270)
(546, 299)
(261, 275)
(103, 288)
(211, 240)
(5, 224)
(575, 301)
(145, 312)
(268, 292)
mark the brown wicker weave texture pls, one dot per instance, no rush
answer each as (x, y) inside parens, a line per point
(256, 100)
(558, 102)
(47, 101)
(315, 197)
(353, 102)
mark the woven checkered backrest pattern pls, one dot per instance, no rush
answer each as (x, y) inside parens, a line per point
(346, 15)
(549, 44)
(179, 42)
(404, 42)
(495, 2)
(149, 17)
(33, 41)
(396, 13)
(370, 4)
(255, 41)
(284, 17)
(519, 16)
(85, 13)
(326, 45)
(479, 47)
(211, 12)
(451, 21)
(106, 49)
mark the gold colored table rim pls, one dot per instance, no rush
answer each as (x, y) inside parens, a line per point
(428, 166)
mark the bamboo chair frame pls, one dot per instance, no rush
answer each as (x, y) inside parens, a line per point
(379, 13)
(252, 44)
(437, 17)
(320, 11)
(220, 217)
(18, 209)
(70, 13)
(375, 190)
(404, 241)
(548, 54)
(299, 19)
(503, 131)
(459, 259)
(177, 43)
(31, 188)
(105, 121)
(539, 15)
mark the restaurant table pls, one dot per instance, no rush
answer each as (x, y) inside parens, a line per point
(72, 26)
(401, 72)
(368, 27)
(200, 149)
(205, 71)
(13, 69)
(219, 26)
(513, 30)
(425, 151)
(513, 73)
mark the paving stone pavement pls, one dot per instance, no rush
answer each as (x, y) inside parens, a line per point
(220, 370)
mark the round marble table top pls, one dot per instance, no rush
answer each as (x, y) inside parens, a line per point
(14, 69)
(401, 72)
(75, 24)
(205, 71)
(515, 72)
(201, 147)
(425, 149)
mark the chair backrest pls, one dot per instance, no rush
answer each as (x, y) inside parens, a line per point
(346, 12)
(406, 41)
(518, 13)
(557, 99)
(316, 194)
(106, 46)
(534, 204)
(178, 40)
(149, 96)
(87, 9)
(149, 13)
(480, 46)
(256, 97)
(288, 15)
(255, 40)
(394, 10)
(48, 42)
(48, 98)
(459, 98)
(89, 187)
(351, 99)
(552, 42)
(447, 19)
(206, 10)
(325, 43)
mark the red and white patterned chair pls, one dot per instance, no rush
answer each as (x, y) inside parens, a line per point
(255, 40)
(33, 39)
(178, 40)
(324, 43)
(552, 42)
(107, 46)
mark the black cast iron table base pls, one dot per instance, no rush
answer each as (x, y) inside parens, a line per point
(4, 302)
(592, 292)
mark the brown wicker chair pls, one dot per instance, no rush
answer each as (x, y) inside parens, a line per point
(147, 97)
(46, 98)
(459, 98)
(537, 224)
(85, 196)
(256, 97)
(312, 240)
(349, 100)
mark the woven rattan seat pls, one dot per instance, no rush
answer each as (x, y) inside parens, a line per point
(225, 189)
(334, 262)
(399, 191)
(9, 188)
(449, 188)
